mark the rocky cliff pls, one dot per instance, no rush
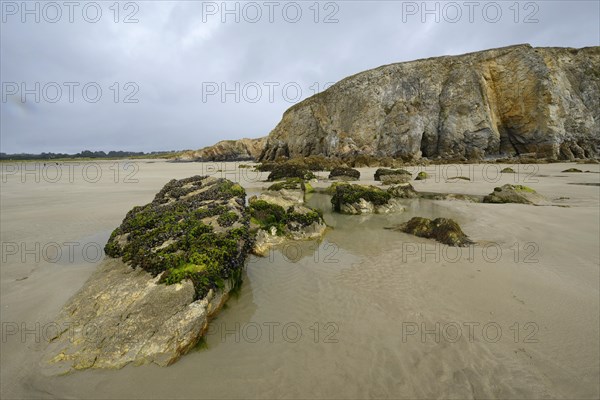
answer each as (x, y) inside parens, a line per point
(227, 150)
(511, 100)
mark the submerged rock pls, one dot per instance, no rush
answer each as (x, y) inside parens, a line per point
(515, 194)
(170, 267)
(343, 173)
(443, 230)
(572, 170)
(358, 199)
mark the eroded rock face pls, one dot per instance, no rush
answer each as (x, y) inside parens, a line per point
(170, 267)
(513, 100)
(227, 150)
(443, 230)
(359, 199)
(515, 194)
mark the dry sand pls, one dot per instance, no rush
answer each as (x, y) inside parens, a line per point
(382, 314)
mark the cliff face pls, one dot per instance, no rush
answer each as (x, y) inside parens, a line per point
(227, 150)
(511, 100)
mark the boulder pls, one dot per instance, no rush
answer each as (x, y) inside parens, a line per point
(169, 268)
(358, 199)
(277, 217)
(421, 176)
(515, 194)
(381, 172)
(288, 170)
(343, 173)
(443, 230)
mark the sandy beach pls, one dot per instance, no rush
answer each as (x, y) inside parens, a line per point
(367, 312)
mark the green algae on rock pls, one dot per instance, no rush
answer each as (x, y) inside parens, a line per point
(195, 228)
(443, 230)
(507, 170)
(359, 199)
(421, 176)
(277, 217)
(289, 170)
(387, 172)
(344, 173)
(515, 194)
(170, 268)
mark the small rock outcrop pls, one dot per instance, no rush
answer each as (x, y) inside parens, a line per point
(281, 215)
(227, 150)
(358, 199)
(343, 173)
(403, 191)
(443, 230)
(170, 267)
(515, 194)
(289, 170)
(421, 176)
(386, 172)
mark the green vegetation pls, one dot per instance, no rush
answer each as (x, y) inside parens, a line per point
(443, 230)
(507, 170)
(169, 237)
(289, 184)
(421, 176)
(331, 189)
(343, 172)
(283, 171)
(350, 194)
(227, 218)
(90, 155)
(268, 215)
(385, 171)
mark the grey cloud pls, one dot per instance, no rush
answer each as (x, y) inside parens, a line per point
(171, 52)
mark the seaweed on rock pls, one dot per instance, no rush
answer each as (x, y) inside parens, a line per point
(195, 228)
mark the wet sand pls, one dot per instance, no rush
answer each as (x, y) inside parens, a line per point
(365, 313)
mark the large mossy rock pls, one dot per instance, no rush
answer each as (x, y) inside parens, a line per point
(443, 230)
(343, 173)
(358, 199)
(400, 174)
(170, 267)
(515, 194)
(277, 216)
(290, 170)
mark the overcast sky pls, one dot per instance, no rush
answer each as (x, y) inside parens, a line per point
(162, 78)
